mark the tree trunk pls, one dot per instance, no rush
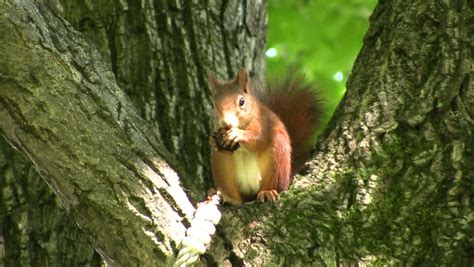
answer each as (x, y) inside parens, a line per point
(35, 227)
(390, 181)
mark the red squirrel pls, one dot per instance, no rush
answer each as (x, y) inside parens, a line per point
(262, 136)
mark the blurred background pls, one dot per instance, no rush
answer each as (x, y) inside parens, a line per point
(321, 37)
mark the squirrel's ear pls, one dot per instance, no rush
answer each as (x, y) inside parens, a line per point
(213, 81)
(243, 80)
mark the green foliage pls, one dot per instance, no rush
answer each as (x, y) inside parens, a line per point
(321, 37)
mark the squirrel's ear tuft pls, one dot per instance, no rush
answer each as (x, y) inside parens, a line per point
(243, 80)
(213, 81)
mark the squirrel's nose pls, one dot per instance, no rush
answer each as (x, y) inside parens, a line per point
(230, 120)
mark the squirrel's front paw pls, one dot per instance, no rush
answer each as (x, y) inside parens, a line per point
(232, 137)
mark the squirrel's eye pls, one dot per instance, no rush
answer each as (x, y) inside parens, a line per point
(241, 101)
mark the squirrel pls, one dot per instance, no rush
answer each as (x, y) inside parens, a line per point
(263, 135)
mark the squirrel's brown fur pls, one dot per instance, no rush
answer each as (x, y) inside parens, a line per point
(300, 107)
(256, 132)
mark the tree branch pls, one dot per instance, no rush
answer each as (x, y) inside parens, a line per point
(61, 107)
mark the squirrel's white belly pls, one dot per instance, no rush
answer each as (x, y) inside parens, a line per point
(248, 171)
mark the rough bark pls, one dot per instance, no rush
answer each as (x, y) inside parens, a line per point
(62, 108)
(34, 228)
(36, 233)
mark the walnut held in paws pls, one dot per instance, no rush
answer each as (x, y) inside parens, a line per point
(219, 138)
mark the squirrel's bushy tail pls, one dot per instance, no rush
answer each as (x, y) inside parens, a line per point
(299, 105)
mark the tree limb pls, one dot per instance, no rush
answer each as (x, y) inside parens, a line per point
(61, 107)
